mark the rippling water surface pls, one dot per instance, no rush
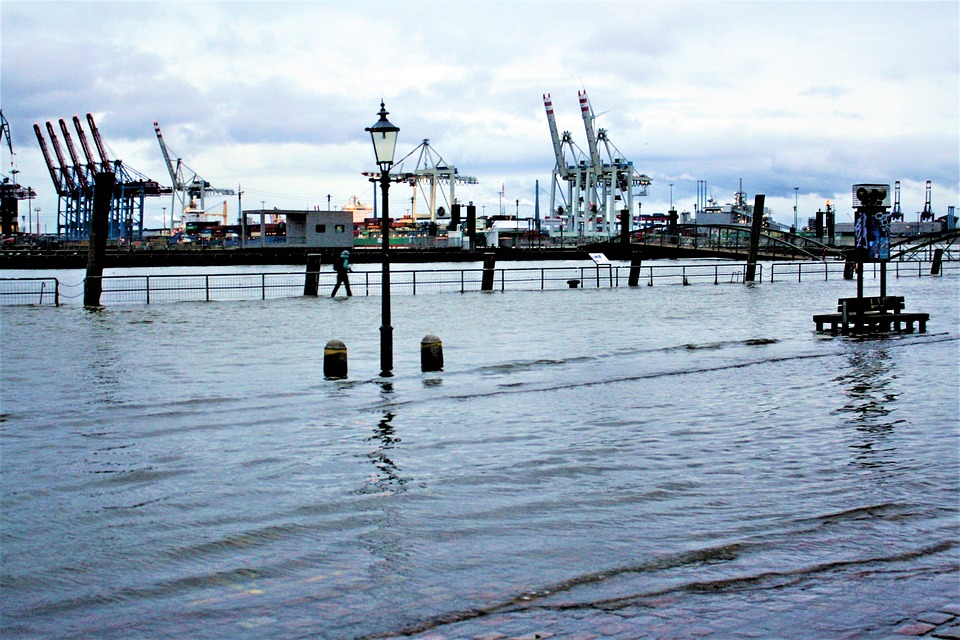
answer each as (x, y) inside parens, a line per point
(184, 470)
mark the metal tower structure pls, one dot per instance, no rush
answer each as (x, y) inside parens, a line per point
(599, 183)
(188, 187)
(74, 184)
(11, 192)
(429, 174)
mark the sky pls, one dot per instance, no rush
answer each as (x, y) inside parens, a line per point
(799, 100)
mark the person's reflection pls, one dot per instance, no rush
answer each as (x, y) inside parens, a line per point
(387, 478)
(871, 403)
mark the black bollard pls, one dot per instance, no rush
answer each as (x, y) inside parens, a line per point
(634, 279)
(489, 262)
(431, 354)
(937, 262)
(311, 282)
(335, 360)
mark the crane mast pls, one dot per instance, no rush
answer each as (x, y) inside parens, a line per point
(77, 165)
(64, 169)
(99, 143)
(166, 156)
(49, 161)
(91, 163)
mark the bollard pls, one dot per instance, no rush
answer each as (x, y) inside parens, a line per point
(937, 262)
(431, 354)
(311, 282)
(489, 262)
(573, 284)
(335, 360)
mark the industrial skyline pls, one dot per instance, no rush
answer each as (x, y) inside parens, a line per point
(798, 99)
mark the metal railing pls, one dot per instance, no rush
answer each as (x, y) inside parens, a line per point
(29, 291)
(151, 289)
(780, 271)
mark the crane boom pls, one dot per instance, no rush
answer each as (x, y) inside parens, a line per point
(91, 164)
(166, 157)
(562, 169)
(46, 157)
(97, 141)
(5, 129)
(64, 169)
(77, 166)
(587, 114)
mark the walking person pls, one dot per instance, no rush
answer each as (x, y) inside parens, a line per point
(342, 267)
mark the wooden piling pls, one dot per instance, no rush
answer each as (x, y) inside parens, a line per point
(755, 230)
(489, 262)
(634, 278)
(99, 226)
(311, 282)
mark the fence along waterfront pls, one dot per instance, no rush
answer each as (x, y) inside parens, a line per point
(151, 289)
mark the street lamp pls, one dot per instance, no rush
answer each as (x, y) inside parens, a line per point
(384, 137)
(796, 196)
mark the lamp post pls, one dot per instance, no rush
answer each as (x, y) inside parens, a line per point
(796, 199)
(384, 137)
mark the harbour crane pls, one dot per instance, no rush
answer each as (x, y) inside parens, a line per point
(11, 192)
(188, 186)
(74, 183)
(598, 186)
(433, 171)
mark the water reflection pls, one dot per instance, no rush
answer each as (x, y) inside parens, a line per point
(872, 401)
(387, 477)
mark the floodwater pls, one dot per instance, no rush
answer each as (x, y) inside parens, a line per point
(686, 460)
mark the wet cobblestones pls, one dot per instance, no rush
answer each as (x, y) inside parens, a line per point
(942, 623)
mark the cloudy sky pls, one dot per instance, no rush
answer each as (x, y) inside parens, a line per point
(274, 96)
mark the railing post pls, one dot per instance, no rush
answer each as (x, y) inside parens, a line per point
(206, 287)
(263, 286)
(148, 289)
(56, 292)
(799, 271)
(414, 283)
(462, 289)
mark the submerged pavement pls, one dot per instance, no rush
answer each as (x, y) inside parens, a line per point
(649, 621)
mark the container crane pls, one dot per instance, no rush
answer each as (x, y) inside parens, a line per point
(74, 184)
(186, 189)
(11, 192)
(432, 170)
(596, 181)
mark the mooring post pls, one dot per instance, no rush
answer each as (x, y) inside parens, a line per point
(755, 238)
(335, 360)
(102, 196)
(489, 262)
(431, 354)
(311, 282)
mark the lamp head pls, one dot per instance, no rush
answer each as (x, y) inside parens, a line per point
(384, 137)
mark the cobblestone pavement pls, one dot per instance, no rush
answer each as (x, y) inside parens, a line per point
(941, 622)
